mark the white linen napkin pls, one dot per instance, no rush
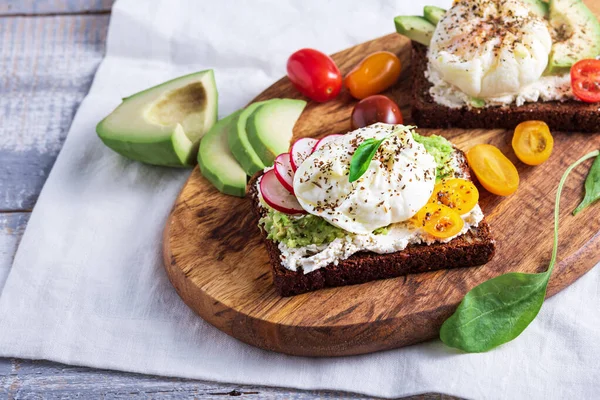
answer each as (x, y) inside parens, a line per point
(88, 288)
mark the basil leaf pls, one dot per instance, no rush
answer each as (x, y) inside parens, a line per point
(495, 312)
(592, 187)
(361, 159)
(498, 310)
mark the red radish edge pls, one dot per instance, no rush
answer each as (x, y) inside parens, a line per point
(284, 171)
(301, 150)
(276, 196)
(325, 140)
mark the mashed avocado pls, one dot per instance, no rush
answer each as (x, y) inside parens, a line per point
(441, 149)
(299, 232)
(302, 231)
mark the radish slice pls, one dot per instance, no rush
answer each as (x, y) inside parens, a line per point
(325, 140)
(276, 196)
(284, 171)
(301, 150)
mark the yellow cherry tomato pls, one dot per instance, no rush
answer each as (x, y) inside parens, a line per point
(459, 194)
(533, 142)
(494, 171)
(439, 220)
(373, 75)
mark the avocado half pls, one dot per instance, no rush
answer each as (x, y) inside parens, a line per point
(163, 125)
(578, 34)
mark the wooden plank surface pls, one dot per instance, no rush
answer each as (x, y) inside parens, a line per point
(39, 7)
(47, 65)
(47, 62)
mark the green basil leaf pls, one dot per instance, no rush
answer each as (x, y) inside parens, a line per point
(495, 312)
(592, 187)
(361, 159)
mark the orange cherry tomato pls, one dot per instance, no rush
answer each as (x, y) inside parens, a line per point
(533, 142)
(585, 80)
(439, 220)
(373, 75)
(459, 194)
(494, 171)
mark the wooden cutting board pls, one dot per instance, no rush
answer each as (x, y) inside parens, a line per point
(216, 261)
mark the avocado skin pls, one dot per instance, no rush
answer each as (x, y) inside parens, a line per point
(162, 152)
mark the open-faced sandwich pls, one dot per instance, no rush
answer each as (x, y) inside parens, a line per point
(497, 63)
(375, 203)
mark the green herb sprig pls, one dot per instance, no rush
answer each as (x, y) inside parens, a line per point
(361, 159)
(499, 310)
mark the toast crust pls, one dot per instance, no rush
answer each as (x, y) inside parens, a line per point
(474, 248)
(569, 116)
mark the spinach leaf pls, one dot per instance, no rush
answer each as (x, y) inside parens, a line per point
(495, 312)
(361, 159)
(498, 310)
(592, 187)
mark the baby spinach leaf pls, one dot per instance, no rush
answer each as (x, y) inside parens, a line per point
(592, 187)
(498, 310)
(495, 312)
(361, 159)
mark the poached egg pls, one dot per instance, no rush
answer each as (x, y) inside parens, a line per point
(398, 182)
(490, 48)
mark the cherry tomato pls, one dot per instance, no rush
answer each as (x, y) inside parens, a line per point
(585, 80)
(494, 171)
(314, 74)
(533, 142)
(373, 75)
(459, 194)
(439, 221)
(374, 109)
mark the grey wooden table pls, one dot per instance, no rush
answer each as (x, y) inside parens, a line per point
(49, 52)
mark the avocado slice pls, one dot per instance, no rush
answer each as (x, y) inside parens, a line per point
(539, 7)
(270, 127)
(415, 28)
(433, 14)
(163, 125)
(239, 144)
(578, 35)
(217, 163)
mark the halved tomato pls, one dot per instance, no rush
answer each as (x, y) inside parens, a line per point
(459, 194)
(494, 171)
(533, 142)
(585, 80)
(439, 220)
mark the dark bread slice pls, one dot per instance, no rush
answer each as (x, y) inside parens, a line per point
(569, 116)
(474, 248)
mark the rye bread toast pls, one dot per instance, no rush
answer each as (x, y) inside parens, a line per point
(474, 248)
(568, 116)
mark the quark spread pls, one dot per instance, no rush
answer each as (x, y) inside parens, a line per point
(397, 238)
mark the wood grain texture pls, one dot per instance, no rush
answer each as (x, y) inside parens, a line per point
(45, 380)
(218, 265)
(46, 68)
(37, 7)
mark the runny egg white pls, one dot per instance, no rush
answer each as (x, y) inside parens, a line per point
(490, 48)
(398, 182)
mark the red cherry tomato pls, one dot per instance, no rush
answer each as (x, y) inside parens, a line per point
(377, 108)
(373, 75)
(585, 80)
(314, 74)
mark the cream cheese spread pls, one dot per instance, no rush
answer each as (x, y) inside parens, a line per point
(399, 236)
